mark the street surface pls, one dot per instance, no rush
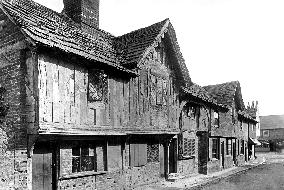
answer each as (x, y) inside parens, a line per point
(269, 176)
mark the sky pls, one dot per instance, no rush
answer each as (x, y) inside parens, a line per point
(221, 40)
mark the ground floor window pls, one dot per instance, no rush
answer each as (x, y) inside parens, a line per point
(152, 152)
(188, 147)
(88, 156)
(215, 148)
(229, 146)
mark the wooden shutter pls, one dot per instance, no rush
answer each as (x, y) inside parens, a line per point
(132, 150)
(142, 154)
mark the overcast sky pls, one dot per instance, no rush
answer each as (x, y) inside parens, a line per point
(221, 40)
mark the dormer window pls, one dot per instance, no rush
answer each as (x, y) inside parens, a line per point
(216, 118)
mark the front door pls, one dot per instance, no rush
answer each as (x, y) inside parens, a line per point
(234, 152)
(42, 167)
(223, 153)
(173, 156)
(202, 153)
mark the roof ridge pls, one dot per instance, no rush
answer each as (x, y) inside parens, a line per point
(143, 28)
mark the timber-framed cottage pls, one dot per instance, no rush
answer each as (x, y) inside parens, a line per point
(89, 110)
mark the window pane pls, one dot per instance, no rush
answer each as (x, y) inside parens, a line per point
(85, 150)
(76, 151)
(87, 163)
(75, 164)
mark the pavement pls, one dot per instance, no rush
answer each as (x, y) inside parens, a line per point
(198, 181)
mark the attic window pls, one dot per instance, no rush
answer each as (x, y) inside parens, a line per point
(191, 112)
(98, 86)
(216, 118)
(159, 90)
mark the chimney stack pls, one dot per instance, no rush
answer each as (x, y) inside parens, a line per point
(83, 12)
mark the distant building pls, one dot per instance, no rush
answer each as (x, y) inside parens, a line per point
(272, 131)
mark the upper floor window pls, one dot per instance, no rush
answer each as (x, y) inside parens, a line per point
(216, 118)
(98, 86)
(191, 112)
(265, 133)
(159, 90)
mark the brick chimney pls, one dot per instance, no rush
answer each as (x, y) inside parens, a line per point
(83, 12)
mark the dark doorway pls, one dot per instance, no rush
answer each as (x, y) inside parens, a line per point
(173, 156)
(234, 152)
(223, 153)
(42, 167)
(203, 145)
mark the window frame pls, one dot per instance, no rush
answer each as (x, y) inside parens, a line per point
(229, 146)
(91, 146)
(100, 76)
(215, 150)
(216, 117)
(189, 147)
(265, 131)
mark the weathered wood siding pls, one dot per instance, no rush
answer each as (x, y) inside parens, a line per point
(147, 103)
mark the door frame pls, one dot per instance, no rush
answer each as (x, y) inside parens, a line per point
(53, 149)
(223, 154)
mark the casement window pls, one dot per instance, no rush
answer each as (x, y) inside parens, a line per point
(97, 86)
(152, 153)
(216, 118)
(229, 146)
(215, 148)
(86, 156)
(265, 133)
(188, 147)
(138, 154)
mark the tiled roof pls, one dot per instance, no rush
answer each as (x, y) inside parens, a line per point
(131, 46)
(226, 93)
(245, 114)
(272, 122)
(45, 26)
(200, 93)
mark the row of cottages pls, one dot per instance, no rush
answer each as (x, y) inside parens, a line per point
(272, 133)
(88, 110)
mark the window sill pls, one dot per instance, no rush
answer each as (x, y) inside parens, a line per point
(186, 157)
(81, 174)
(214, 159)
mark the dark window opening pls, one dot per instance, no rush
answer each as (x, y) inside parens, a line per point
(215, 148)
(87, 157)
(97, 87)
